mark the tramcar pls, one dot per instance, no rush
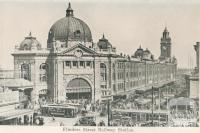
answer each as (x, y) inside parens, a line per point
(59, 110)
(183, 112)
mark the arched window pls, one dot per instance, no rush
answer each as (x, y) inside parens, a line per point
(103, 72)
(25, 72)
(114, 72)
(26, 47)
(77, 34)
(43, 72)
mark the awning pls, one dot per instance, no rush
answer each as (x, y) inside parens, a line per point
(14, 114)
(43, 92)
(77, 90)
(58, 106)
(182, 101)
(16, 83)
(141, 111)
(143, 101)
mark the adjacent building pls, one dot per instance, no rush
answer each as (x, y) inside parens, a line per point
(192, 80)
(15, 102)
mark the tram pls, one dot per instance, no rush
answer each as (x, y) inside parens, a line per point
(183, 112)
(59, 110)
(139, 117)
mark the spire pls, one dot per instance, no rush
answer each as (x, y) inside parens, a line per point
(165, 33)
(69, 11)
(29, 36)
(103, 36)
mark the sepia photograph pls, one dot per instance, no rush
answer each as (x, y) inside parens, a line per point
(71, 63)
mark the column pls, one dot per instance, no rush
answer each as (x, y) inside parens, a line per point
(196, 47)
(31, 119)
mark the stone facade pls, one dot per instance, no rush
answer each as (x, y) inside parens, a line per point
(73, 65)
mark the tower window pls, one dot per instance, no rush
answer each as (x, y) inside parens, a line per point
(103, 72)
(25, 72)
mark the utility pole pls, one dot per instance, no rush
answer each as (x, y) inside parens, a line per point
(159, 104)
(108, 109)
(152, 114)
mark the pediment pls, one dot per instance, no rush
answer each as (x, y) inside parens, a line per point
(78, 50)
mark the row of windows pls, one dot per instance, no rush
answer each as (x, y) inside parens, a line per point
(132, 66)
(120, 65)
(103, 86)
(121, 86)
(120, 75)
(105, 93)
(130, 75)
(136, 83)
(77, 64)
(140, 82)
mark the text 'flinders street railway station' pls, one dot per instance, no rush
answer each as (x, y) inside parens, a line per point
(73, 75)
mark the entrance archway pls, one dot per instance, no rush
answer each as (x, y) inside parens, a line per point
(78, 88)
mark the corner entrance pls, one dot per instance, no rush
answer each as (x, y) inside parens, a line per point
(78, 88)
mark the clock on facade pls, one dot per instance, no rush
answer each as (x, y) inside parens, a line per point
(78, 53)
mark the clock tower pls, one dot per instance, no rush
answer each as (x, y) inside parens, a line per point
(165, 46)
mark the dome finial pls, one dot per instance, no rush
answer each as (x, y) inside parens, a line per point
(30, 33)
(69, 11)
(103, 36)
(165, 29)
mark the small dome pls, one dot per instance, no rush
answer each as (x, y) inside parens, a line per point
(30, 43)
(104, 43)
(139, 52)
(143, 54)
(147, 55)
(147, 51)
(70, 28)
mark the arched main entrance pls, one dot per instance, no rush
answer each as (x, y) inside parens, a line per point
(78, 88)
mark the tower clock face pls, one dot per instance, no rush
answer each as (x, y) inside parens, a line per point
(164, 48)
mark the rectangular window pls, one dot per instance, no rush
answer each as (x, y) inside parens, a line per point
(67, 63)
(88, 63)
(103, 87)
(82, 63)
(74, 63)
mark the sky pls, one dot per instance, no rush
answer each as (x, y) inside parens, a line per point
(126, 24)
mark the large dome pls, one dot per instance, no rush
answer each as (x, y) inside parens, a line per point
(70, 28)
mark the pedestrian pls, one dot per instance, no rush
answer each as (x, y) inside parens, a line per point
(61, 124)
(53, 119)
(85, 106)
